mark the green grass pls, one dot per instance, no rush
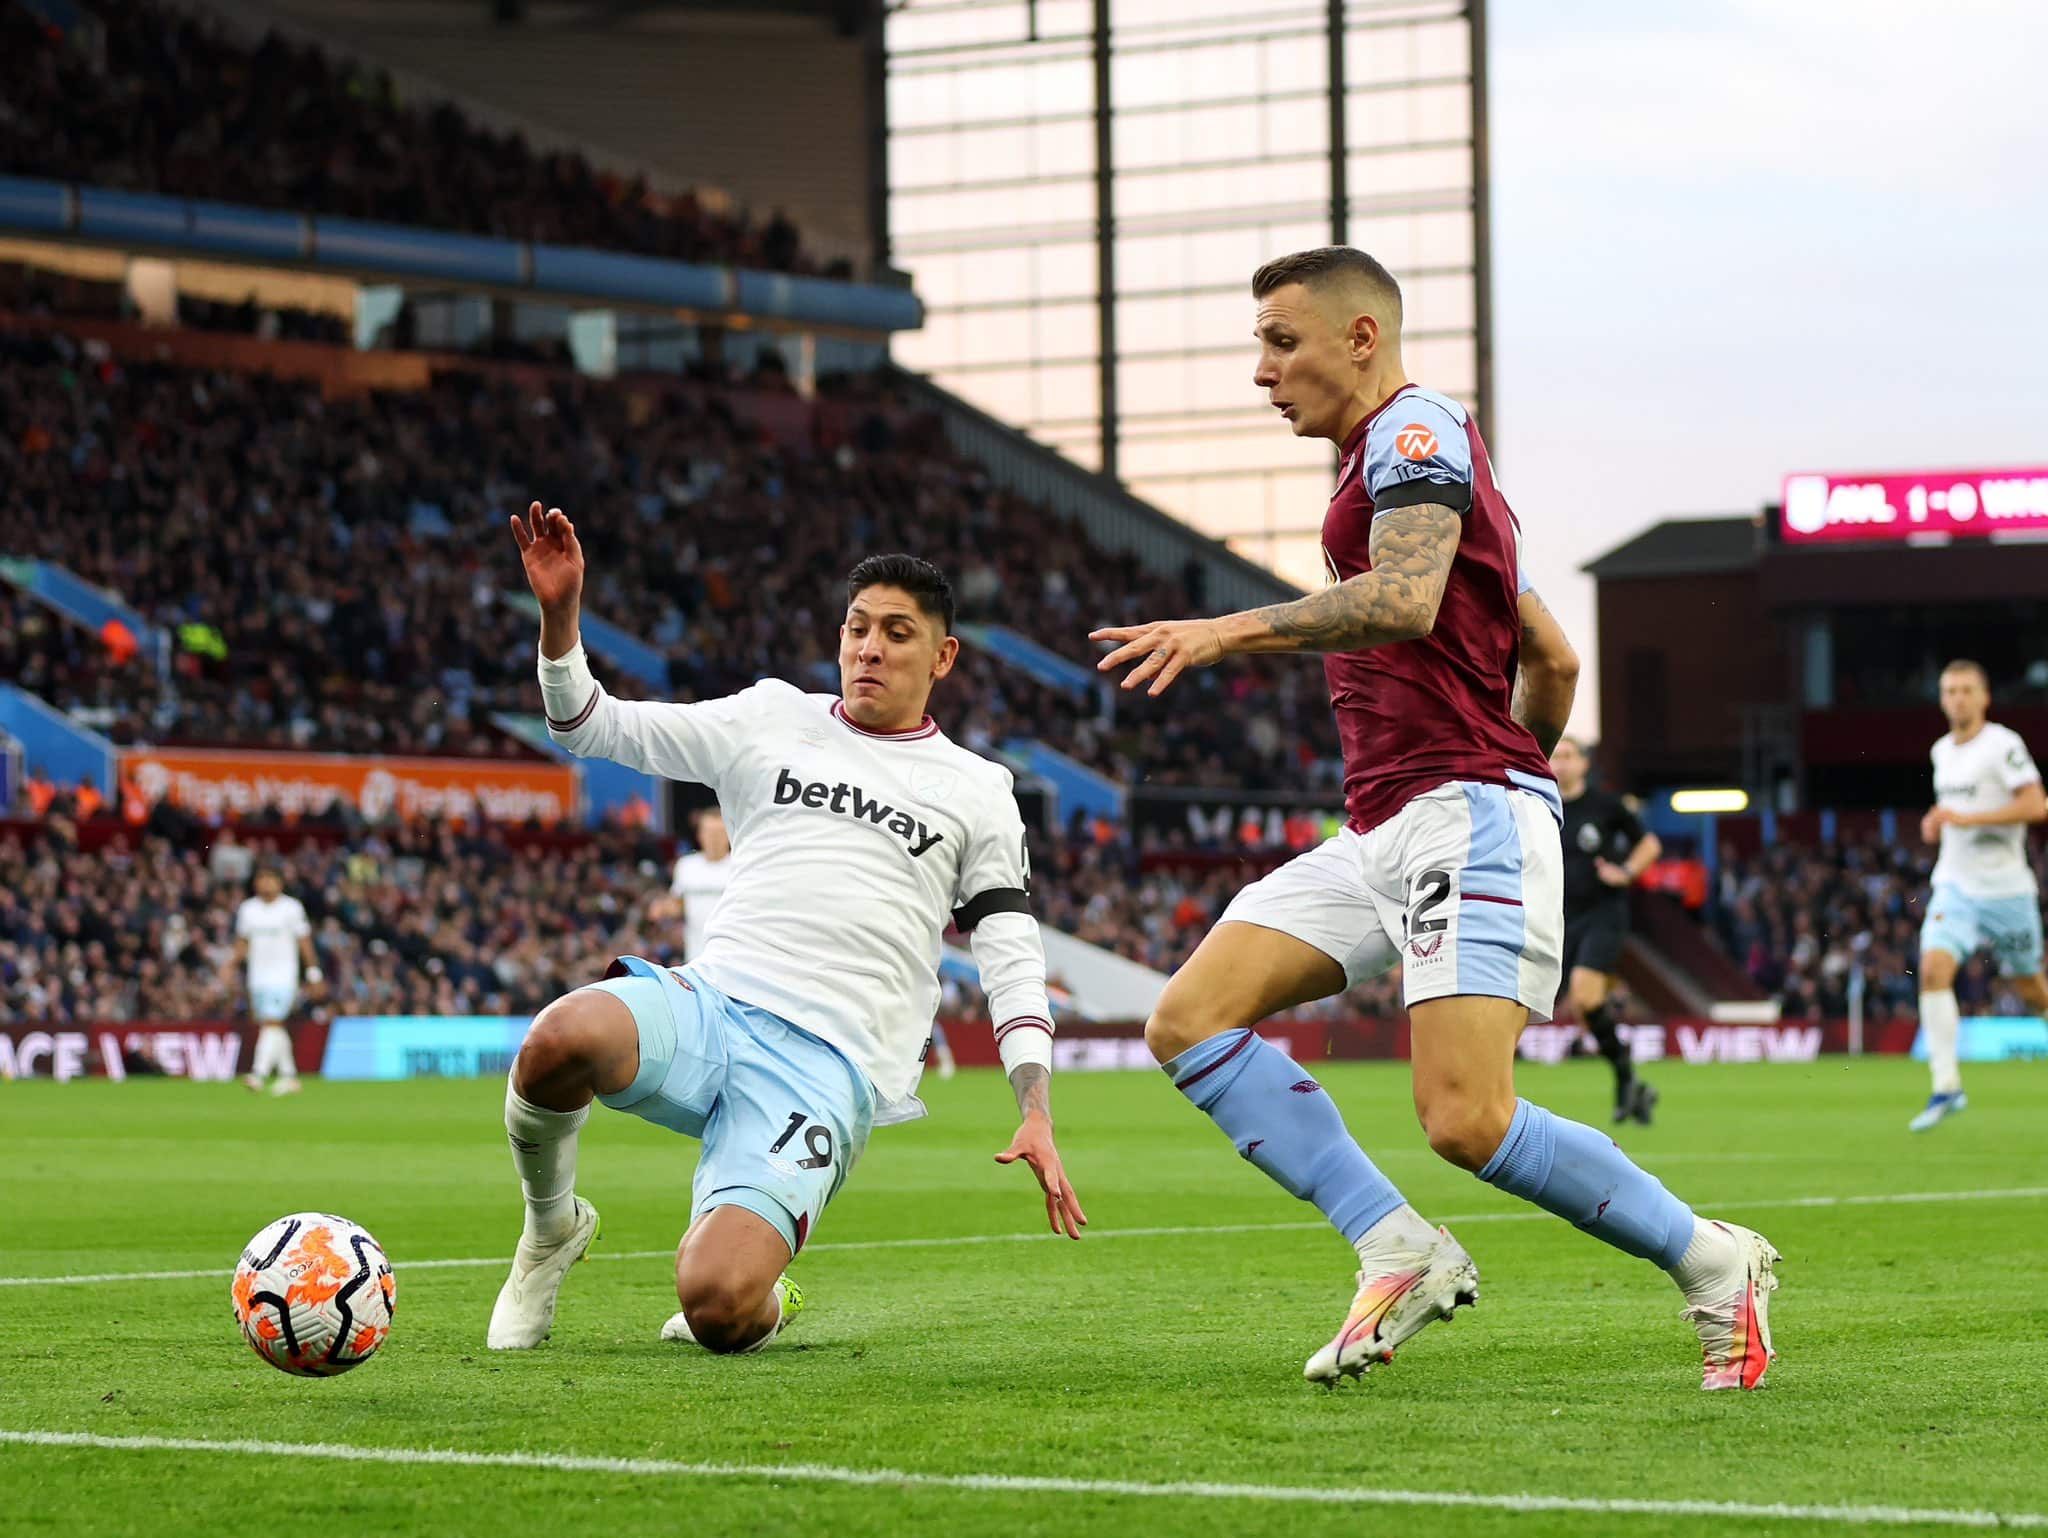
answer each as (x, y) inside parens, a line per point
(1913, 1337)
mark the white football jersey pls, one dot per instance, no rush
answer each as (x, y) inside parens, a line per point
(699, 881)
(1980, 776)
(851, 853)
(272, 930)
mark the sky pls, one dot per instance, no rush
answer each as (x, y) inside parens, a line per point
(1737, 238)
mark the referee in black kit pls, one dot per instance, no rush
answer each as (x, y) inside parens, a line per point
(1605, 850)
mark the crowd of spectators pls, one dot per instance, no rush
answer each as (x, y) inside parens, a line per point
(338, 572)
(176, 103)
(429, 919)
(407, 920)
(1809, 923)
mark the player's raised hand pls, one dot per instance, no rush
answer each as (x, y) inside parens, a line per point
(1033, 1144)
(551, 555)
(1169, 648)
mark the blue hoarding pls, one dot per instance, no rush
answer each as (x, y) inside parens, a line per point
(1994, 1039)
(422, 1046)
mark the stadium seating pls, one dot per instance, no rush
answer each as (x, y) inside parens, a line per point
(182, 106)
(350, 559)
(1804, 919)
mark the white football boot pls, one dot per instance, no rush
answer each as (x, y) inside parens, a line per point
(525, 1310)
(1416, 1288)
(787, 1293)
(1732, 1314)
(1939, 1108)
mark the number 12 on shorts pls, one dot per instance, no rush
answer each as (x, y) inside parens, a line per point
(817, 1138)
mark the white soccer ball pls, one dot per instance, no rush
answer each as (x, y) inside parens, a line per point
(314, 1295)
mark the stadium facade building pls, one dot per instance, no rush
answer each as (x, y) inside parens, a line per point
(1797, 652)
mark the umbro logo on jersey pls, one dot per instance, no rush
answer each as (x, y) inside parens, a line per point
(851, 801)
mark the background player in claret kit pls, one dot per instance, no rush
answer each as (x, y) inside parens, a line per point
(859, 832)
(1605, 851)
(1450, 685)
(272, 938)
(700, 878)
(1986, 791)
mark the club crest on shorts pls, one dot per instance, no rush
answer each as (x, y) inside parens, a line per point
(1425, 950)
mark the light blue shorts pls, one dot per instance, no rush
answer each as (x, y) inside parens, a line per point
(2011, 926)
(782, 1115)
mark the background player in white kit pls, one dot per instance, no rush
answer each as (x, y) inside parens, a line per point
(700, 879)
(859, 832)
(272, 937)
(1986, 791)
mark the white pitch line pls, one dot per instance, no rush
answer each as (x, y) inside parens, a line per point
(1018, 1484)
(1879, 1199)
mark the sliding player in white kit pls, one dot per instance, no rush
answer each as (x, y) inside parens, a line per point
(1986, 791)
(700, 879)
(272, 937)
(859, 833)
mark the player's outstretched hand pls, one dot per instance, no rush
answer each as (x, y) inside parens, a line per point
(1170, 647)
(1033, 1144)
(551, 555)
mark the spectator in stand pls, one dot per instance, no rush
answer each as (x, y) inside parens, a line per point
(314, 560)
(1810, 923)
(183, 106)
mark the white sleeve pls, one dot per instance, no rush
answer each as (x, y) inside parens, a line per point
(677, 742)
(994, 911)
(1012, 961)
(242, 920)
(675, 880)
(2016, 764)
(301, 926)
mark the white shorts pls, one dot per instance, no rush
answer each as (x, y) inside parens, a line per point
(271, 1003)
(1464, 887)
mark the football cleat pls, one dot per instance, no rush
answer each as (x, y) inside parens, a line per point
(1393, 1305)
(1733, 1315)
(525, 1310)
(1939, 1108)
(787, 1293)
(1642, 1104)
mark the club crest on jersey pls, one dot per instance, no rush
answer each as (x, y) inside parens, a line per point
(1415, 441)
(928, 782)
(844, 800)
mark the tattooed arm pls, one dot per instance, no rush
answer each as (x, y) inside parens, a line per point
(1033, 1144)
(1412, 550)
(1549, 674)
(1033, 1086)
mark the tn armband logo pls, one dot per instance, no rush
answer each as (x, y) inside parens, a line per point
(1415, 441)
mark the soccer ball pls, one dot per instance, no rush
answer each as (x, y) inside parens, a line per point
(314, 1295)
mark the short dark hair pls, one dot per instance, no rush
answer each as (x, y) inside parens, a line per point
(1317, 267)
(1965, 665)
(917, 577)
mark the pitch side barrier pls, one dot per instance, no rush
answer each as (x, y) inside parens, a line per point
(395, 1047)
(359, 247)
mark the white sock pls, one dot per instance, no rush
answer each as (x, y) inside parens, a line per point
(773, 1330)
(1707, 1259)
(273, 1052)
(1943, 1022)
(1394, 1237)
(544, 1153)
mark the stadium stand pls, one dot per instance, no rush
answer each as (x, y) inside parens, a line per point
(179, 105)
(1804, 920)
(345, 563)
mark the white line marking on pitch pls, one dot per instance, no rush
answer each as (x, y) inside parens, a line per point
(822, 1473)
(1878, 1199)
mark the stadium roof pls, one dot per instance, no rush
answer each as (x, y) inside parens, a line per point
(1684, 547)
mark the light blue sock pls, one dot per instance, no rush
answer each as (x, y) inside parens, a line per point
(1284, 1122)
(1585, 1178)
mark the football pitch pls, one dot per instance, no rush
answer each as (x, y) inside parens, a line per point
(961, 1372)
